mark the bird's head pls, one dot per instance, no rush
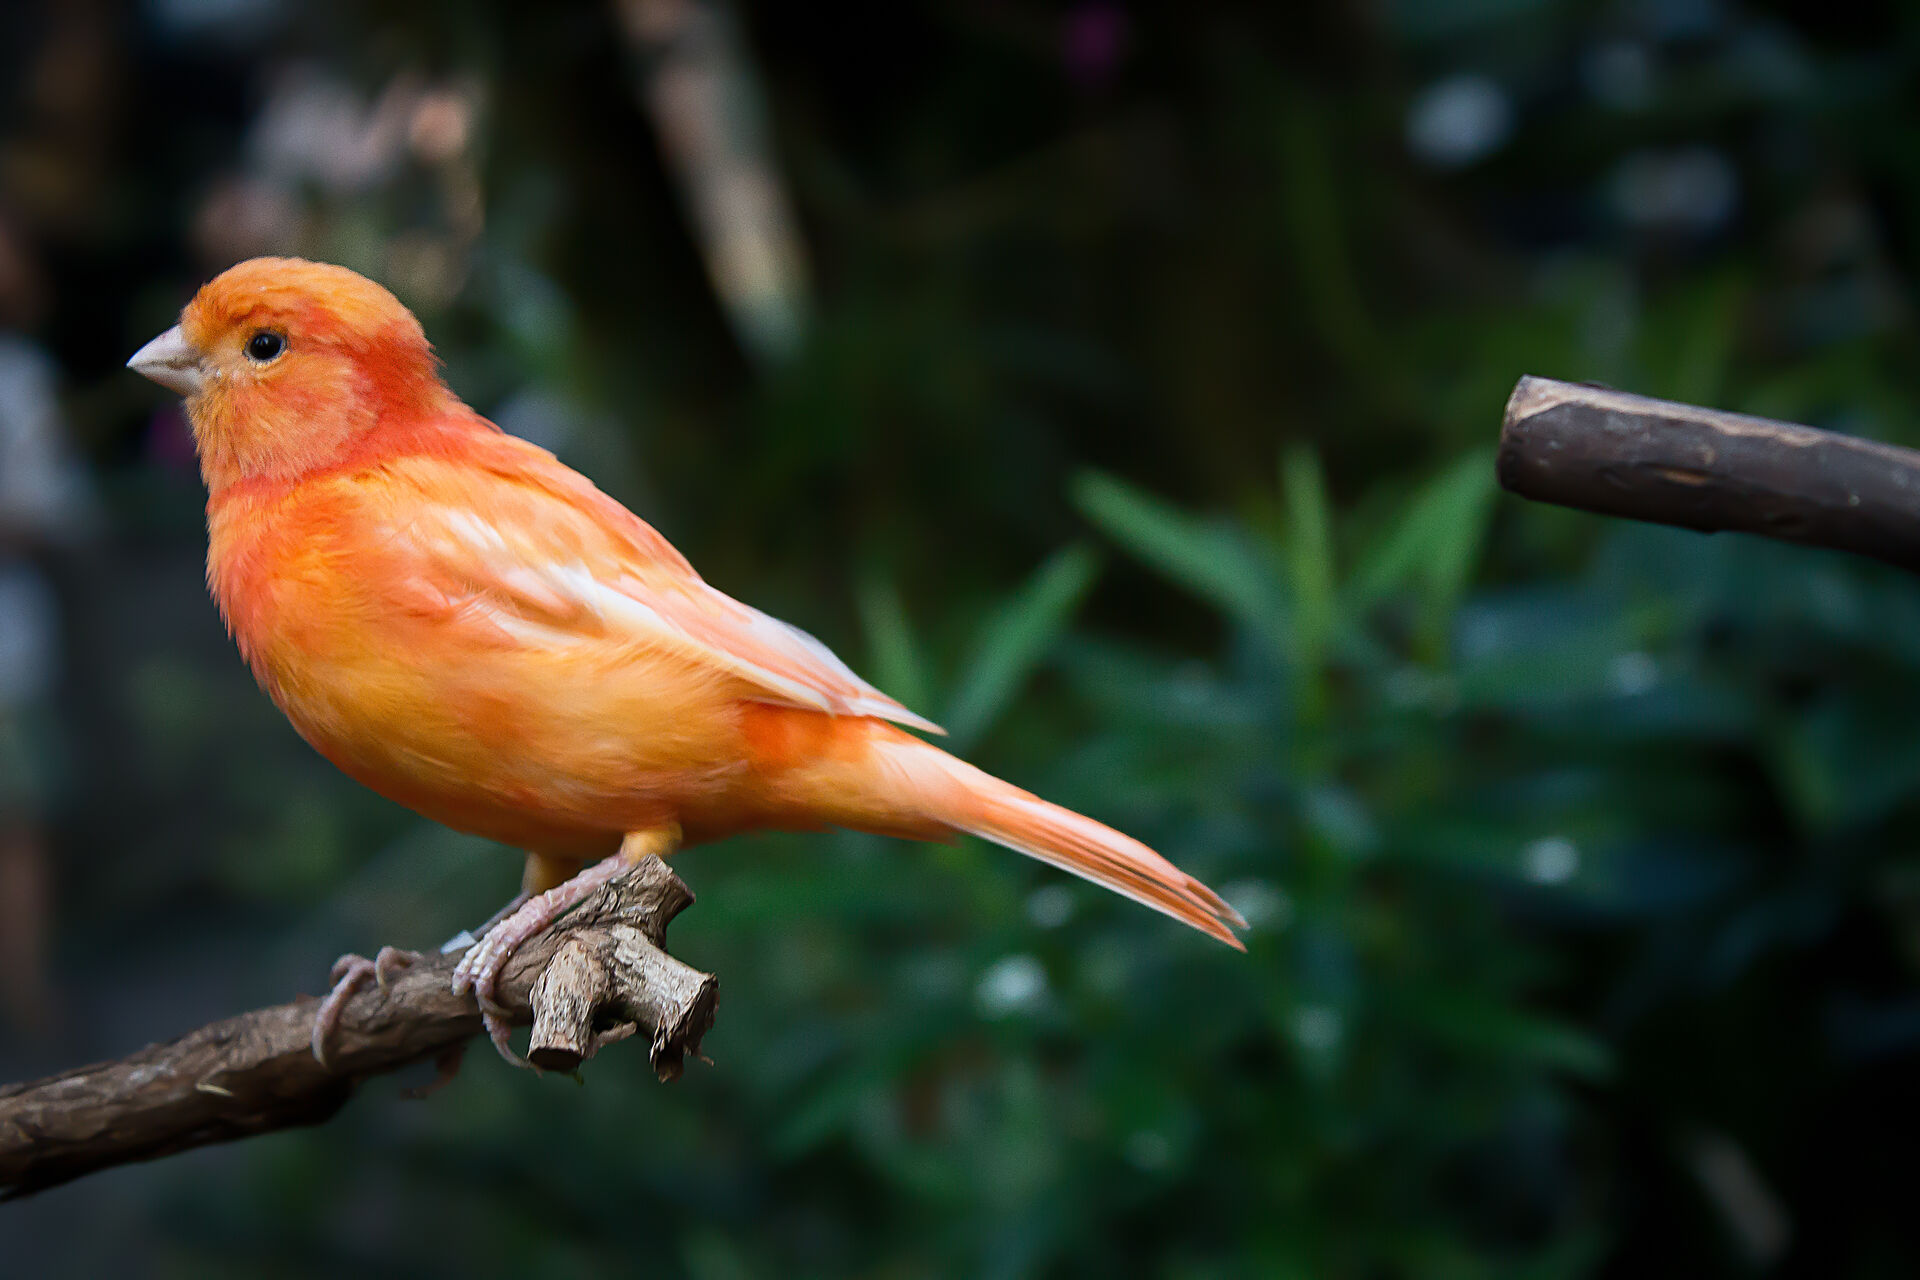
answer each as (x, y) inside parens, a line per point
(286, 364)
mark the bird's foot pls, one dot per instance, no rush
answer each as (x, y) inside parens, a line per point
(350, 973)
(479, 970)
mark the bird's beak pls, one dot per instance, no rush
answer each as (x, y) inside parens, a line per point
(171, 361)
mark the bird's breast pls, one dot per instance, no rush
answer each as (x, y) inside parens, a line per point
(444, 702)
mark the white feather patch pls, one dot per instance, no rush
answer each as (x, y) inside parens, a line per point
(560, 599)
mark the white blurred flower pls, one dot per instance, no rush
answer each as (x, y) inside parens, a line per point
(1459, 120)
(316, 127)
(43, 490)
(1550, 860)
(1011, 985)
(1631, 674)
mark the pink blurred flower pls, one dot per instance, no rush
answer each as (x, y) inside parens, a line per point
(1093, 40)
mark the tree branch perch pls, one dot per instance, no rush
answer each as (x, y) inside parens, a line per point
(599, 975)
(1626, 455)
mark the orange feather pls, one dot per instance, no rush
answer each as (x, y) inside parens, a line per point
(469, 627)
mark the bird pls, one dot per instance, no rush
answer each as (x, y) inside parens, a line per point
(473, 629)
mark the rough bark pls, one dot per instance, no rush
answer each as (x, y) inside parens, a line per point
(598, 976)
(1625, 455)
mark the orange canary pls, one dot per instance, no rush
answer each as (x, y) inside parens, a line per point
(468, 627)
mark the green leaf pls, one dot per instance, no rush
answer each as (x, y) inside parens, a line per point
(824, 1111)
(1437, 544)
(1475, 1023)
(899, 668)
(1016, 639)
(1212, 561)
(1309, 554)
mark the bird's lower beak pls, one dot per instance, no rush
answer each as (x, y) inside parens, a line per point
(171, 361)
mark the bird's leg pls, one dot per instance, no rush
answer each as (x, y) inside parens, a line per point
(463, 941)
(350, 973)
(542, 873)
(479, 969)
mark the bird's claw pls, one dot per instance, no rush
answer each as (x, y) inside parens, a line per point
(494, 1016)
(387, 962)
(478, 974)
(349, 973)
(479, 969)
(500, 1031)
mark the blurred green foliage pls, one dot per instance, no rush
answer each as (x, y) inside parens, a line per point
(1140, 434)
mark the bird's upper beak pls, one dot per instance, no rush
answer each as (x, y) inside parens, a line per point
(171, 361)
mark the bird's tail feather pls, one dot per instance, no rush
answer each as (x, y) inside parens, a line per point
(977, 803)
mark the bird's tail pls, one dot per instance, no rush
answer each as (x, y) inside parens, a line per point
(964, 799)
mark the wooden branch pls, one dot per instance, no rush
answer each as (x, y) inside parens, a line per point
(1626, 455)
(597, 976)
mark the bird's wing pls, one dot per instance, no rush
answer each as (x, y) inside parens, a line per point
(525, 545)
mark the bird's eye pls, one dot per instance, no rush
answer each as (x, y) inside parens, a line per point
(265, 346)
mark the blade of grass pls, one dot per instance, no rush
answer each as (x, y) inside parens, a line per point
(898, 666)
(1211, 561)
(1436, 546)
(1309, 556)
(1016, 639)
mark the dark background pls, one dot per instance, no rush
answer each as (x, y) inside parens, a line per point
(1116, 384)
